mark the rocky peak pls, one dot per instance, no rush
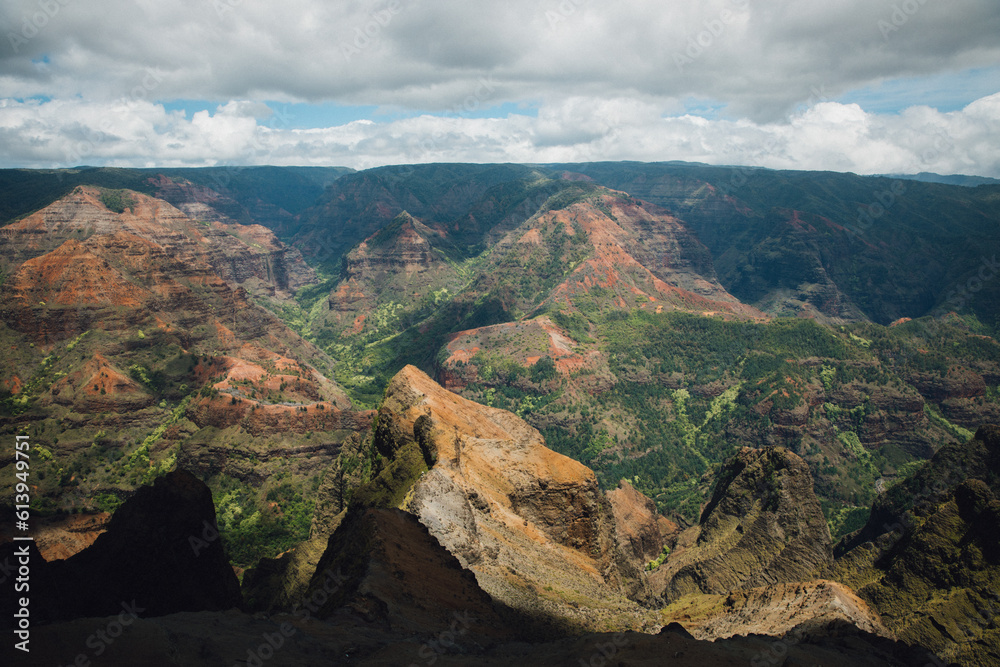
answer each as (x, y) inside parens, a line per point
(763, 525)
(401, 266)
(929, 558)
(531, 524)
(624, 252)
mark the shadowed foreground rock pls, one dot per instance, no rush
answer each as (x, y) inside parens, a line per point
(213, 639)
(159, 555)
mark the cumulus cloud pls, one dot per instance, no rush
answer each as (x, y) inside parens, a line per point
(609, 80)
(826, 135)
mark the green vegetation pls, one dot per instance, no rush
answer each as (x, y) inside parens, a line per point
(253, 528)
(934, 414)
(844, 520)
(117, 200)
(653, 564)
(108, 502)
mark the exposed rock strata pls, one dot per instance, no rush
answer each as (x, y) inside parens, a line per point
(779, 610)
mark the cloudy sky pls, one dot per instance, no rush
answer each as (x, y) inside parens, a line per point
(870, 86)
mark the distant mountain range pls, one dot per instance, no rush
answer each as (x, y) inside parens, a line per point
(955, 179)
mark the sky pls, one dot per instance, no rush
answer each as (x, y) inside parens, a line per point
(868, 86)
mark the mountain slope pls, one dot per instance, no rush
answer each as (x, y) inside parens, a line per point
(136, 346)
(838, 246)
(929, 557)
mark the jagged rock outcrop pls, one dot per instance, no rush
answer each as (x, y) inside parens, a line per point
(530, 523)
(60, 537)
(763, 525)
(282, 582)
(531, 526)
(929, 557)
(621, 252)
(160, 554)
(401, 269)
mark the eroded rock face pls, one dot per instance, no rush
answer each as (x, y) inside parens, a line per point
(531, 524)
(929, 557)
(763, 525)
(399, 269)
(639, 525)
(59, 538)
(385, 568)
(238, 253)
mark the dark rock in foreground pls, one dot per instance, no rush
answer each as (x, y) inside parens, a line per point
(160, 555)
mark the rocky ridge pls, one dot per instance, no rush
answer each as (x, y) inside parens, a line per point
(530, 523)
(763, 525)
(928, 560)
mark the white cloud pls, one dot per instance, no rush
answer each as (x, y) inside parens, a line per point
(827, 135)
(608, 79)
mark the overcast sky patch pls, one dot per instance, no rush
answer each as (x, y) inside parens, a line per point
(850, 85)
